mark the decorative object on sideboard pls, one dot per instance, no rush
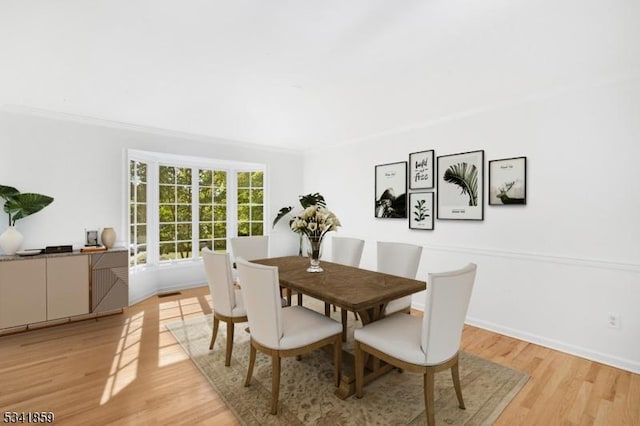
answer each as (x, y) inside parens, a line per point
(91, 238)
(18, 205)
(65, 248)
(10, 240)
(108, 237)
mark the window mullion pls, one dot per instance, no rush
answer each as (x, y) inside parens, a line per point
(195, 208)
(232, 205)
(153, 217)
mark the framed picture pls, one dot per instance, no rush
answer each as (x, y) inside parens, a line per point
(421, 170)
(391, 190)
(461, 186)
(421, 210)
(508, 181)
(92, 238)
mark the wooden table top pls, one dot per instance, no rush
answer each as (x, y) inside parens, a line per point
(346, 287)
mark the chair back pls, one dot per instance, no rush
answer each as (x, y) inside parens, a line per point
(399, 259)
(218, 269)
(250, 248)
(445, 309)
(346, 251)
(261, 295)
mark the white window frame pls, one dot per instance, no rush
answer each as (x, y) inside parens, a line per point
(154, 160)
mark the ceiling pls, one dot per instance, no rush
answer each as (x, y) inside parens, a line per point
(293, 74)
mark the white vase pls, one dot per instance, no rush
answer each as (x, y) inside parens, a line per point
(108, 237)
(10, 241)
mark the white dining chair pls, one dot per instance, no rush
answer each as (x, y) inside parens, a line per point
(282, 332)
(424, 345)
(399, 259)
(346, 251)
(250, 248)
(228, 304)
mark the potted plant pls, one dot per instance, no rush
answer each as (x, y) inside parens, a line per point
(18, 206)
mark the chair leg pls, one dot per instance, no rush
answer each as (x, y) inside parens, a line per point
(275, 382)
(334, 308)
(252, 361)
(289, 296)
(216, 322)
(455, 375)
(355, 315)
(429, 396)
(343, 313)
(359, 369)
(230, 329)
(337, 359)
(299, 299)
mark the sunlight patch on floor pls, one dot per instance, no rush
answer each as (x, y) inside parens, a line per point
(124, 368)
(169, 351)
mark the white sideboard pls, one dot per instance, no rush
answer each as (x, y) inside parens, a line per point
(57, 288)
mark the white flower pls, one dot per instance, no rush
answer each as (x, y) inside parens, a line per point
(315, 221)
(309, 212)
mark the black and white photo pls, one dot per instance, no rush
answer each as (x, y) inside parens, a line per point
(391, 190)
(508, 181)
(421, 210)
(91, 238)
(461, 186)
(421, 170)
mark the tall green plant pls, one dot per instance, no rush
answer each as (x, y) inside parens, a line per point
(20, 205)
(466, 177)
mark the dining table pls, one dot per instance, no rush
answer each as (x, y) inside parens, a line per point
(359, 290)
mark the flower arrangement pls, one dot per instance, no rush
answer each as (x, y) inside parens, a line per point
(314, 222)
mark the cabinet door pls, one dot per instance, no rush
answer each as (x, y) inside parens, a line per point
(110, 281)
(67, 286)
(23, 292)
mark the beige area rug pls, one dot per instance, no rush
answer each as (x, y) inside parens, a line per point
(307, 391)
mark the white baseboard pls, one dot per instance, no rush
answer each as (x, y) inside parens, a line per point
(624, 364)
(166, 289)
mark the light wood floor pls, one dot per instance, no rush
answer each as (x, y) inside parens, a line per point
(127, 369)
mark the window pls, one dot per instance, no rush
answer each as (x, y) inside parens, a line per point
(138, 213)
(174, 211)
(213, 210)
(179, 205)
(250, 203)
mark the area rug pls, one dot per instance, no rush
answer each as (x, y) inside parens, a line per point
(307, 387)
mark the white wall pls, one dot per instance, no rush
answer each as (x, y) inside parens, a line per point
(549, 272)
(82, 164)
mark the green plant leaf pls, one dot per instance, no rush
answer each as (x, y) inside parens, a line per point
(282, 213)
(312, 199)
(22, 205)
(6, 192)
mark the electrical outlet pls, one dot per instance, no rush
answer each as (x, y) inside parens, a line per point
(613, 320)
